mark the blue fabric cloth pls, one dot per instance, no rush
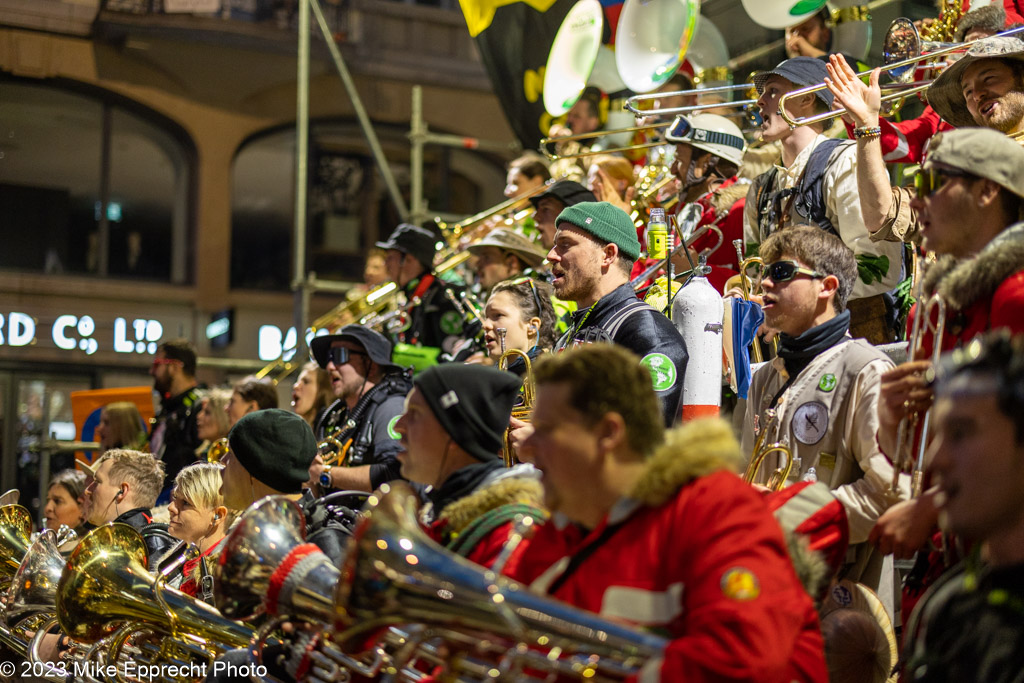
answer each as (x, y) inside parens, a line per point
(747, 316)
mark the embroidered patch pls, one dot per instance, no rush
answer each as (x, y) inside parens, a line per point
(451, 323)
(662, 369)
(449, 399)
(810, 422)
(391, 428)
(842, 595)
(827, 460)
(827, 382)
(740, 584)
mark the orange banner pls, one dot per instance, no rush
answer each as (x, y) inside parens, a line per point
(87, 405)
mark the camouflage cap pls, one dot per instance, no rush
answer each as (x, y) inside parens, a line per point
(983, 152)
(946, 94)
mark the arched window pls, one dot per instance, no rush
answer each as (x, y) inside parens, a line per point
(92, 184)
(348, 205)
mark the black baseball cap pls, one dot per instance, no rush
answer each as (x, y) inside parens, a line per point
(801, 72)
(415, 241)
(568, 192)
(376, 345)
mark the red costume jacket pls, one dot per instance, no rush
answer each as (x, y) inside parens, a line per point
(903, 142)
(693, 554)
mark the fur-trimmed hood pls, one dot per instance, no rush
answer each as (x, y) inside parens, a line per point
(962, 282)
(507, 490)
(696, 449)
(725, 197)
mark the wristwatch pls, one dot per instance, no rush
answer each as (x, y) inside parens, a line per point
(325, 477)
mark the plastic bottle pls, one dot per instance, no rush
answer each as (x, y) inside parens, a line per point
(657, 235)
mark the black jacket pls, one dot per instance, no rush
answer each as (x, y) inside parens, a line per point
(371, 427)
(645, 332)
(180, 439)
(158, 541)
(435, 318)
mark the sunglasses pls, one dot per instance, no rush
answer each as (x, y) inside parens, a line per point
(926, 181)
(166, 361)
(533, 289)
(339, 355)
(784, 271)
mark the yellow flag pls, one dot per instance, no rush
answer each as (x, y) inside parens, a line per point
(480, 13)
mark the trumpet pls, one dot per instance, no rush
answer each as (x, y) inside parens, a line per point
(333, 452)
(523, 410)
(778, 478)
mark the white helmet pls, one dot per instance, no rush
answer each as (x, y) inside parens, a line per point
(711, 133)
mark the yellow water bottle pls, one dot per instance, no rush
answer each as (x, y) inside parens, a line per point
(657, 235)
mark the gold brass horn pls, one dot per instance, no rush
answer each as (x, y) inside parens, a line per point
(778, 478)
(106, 593)
(15, 530)
(264, 540)
(586, 151)
(333, 452)
(10, 497)
(523, 410)
(395, 575)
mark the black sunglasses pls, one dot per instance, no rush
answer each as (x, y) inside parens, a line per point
(533, 289)
(784, 271)
(926, 181)
(339, 355)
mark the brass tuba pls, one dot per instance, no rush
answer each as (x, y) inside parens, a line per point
(778, 478)
(107, 596)
(395, 576)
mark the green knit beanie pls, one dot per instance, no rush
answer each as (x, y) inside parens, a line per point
(607, 223)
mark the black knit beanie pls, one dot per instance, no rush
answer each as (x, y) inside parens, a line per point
(276, 447)
(472, 402)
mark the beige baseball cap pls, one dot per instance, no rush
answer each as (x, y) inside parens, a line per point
(982, 152)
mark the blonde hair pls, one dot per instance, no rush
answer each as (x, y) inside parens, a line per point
(199, 484)
(126, 429)
(218, 398)
(617, 168)
(144, 472)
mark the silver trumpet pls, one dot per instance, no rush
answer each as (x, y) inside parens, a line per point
(31, 599)
(438, 608)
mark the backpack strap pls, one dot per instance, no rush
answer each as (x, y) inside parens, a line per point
(810, 196)
(613, 324)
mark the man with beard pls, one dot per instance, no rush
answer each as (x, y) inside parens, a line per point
(969, 627)
(971, 192)
(371, 392)
(503, 254)
(984, 88)
(593, 253)
(820, 395)
(174, 437)
(655, 529)
(816, 184)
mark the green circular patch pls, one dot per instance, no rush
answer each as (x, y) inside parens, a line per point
(391, 428)
(827, 382)
(451, 323)
(662, 369)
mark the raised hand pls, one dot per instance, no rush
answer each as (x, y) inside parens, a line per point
(861, 100)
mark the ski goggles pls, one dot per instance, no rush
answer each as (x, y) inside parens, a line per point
(339, 355)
